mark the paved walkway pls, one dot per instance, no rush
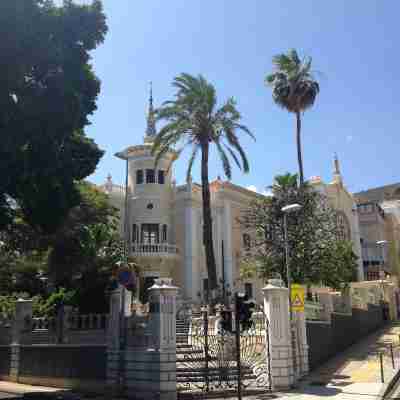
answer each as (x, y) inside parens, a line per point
(355, 373)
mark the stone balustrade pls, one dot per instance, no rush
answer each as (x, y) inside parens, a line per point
(165, 249)
(88, 321)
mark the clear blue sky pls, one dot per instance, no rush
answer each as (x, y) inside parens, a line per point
(354, 45)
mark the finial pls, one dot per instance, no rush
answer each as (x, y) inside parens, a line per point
(109, 184)
(151, 120)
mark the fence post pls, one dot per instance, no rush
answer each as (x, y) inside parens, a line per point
(23, 314)
(113, 344)
(276, 308)
(151, 370)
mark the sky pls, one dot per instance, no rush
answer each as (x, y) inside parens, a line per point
(355, 51)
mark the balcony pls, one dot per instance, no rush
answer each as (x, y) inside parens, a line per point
(154, 250)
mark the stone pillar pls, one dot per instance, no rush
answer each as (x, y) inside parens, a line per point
(67, 319)
(325, 299)
(23, 316)
(151, 371)
(113, 341)
(276, 308)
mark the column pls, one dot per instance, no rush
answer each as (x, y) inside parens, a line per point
(151, 370)
(276, 308)
(228, 244)
(192, 243)
(23, 316)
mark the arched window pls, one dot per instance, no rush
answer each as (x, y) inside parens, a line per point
(343, 226)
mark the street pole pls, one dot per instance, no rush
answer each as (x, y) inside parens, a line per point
(238, 349)
(288, 274)
(223, 273)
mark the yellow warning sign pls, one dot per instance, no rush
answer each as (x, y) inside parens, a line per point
(297, 297)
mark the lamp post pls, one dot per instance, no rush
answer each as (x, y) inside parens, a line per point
(287, 210)
(381, 244)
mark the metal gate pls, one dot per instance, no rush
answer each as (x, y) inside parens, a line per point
(209, 360)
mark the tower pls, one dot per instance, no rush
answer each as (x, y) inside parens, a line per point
(149, 212)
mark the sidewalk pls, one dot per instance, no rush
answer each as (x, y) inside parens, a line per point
(355, 373)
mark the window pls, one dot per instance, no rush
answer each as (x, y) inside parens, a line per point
(161, 177)
(164, 233)
(343, 226)
(134, 233)
(246, 241)
(150, 178)
(150, 233)
(150, 206)
(248, 290)
(139, 176)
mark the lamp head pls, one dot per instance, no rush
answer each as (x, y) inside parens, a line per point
(291, 208)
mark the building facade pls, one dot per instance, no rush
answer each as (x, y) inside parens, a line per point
(379, 214)
(164, 221)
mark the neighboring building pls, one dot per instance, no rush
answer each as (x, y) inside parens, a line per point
(379, 213)
(341, 200)
(165, 221)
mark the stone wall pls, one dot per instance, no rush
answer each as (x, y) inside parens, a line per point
(5, 361)
(328, 339)
(64, 366)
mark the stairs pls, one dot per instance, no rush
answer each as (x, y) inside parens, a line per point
(191, 369)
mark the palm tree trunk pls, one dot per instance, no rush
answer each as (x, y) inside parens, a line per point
(207, 225)
(298, 141)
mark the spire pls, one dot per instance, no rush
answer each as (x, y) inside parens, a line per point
(336, 170)
(337, 176)
(151, 120)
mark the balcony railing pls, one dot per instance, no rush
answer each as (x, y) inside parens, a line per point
(141, 249)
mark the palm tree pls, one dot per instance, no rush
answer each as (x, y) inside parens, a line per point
(295, 89)
(194, 120)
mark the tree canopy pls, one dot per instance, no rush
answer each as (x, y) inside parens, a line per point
(316, 254)
(47, 92)
(295, 89)
(195, 121)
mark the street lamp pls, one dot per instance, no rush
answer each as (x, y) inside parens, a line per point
(381, 244)
(287, 210)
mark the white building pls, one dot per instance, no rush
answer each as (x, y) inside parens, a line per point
(165, 221)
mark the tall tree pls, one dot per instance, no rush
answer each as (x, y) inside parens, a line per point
(193, 119)
(316, 254)
(295, 89)
(47, 92)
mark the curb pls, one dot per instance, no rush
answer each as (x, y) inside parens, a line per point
(386, 391)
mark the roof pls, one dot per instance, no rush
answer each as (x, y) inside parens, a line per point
(379, 194)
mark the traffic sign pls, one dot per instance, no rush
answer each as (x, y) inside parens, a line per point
(126, 277)
(297, 297)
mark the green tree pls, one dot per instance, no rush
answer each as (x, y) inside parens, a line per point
(79, 256)
(47, 92)
(295, 89)
(194, 120)
(316, 256)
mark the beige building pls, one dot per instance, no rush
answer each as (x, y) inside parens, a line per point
(379, 214)
(165, 221)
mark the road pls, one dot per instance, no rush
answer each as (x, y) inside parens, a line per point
(7, 396)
